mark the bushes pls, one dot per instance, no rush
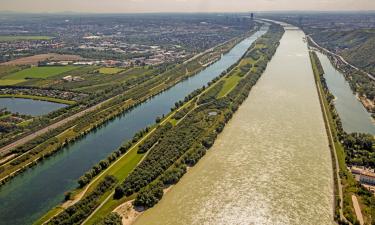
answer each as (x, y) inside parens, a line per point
(154, 138)
(110, 219)
(211, 94)
(193, 156)
(149, 196)
(173, 175)
(175, 142)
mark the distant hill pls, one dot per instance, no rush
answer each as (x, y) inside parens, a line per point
(356, 46)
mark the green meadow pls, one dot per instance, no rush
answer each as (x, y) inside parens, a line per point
(24, 38)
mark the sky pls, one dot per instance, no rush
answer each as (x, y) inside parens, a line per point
(139, 6)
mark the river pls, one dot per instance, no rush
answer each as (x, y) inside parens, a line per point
(271, 164)
(354, 116)
(30, 195)
(29, 106)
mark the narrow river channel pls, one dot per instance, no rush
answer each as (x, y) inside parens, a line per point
(271, 164)
(32, 194)
(353, 115)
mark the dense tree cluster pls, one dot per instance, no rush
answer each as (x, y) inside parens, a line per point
(154, 138)
(149, 196)
(211, 94)
(110, 219)
(360, 149)
(176, 142)
(76, 213)
(172, 176)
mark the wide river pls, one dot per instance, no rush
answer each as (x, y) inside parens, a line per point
(30, 195)
(353, 115)
(271, 164)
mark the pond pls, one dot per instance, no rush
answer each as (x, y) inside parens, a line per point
(29, 107)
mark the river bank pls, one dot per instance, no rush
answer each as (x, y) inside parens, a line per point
(40, 98)
(354, 116)
(346, 69)
(271, 164)
(347, 186)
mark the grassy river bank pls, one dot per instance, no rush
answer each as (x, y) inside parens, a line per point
(345, 185)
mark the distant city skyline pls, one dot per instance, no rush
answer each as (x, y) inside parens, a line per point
(141, 6)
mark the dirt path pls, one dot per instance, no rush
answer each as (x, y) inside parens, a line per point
(319, 88)
(357, 210)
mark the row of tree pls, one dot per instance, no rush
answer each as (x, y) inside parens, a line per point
(152, 193)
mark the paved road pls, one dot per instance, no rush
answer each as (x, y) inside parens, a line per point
(341, 58)
(6, 149)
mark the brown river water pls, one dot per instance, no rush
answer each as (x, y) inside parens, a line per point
(271, 164)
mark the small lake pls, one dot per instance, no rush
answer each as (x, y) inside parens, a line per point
(354, 116)
(29, 106)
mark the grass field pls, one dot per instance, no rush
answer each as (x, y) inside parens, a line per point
(229, 84)
(110, 70)
(8, 69)
(5, 116)
(24, 38)
(35, 72)
(25, 123)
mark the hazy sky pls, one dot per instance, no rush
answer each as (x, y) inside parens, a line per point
(104, 6)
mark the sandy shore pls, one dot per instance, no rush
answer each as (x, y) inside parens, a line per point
(129, 213)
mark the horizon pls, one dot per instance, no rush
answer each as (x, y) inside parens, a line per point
(197, 12)
(183, 6)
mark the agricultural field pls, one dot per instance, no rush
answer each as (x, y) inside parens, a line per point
(7, 82)
(24, 38)
(35, 59)
(40, 72)
(229, 84)
(110, 70)
(34, 73)
(8, 69)
(94, 81)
